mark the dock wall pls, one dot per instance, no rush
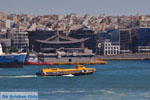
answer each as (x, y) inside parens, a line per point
(138, 56)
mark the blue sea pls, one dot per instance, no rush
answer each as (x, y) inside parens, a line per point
(118, 80)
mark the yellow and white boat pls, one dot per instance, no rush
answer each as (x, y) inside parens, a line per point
(79, 70)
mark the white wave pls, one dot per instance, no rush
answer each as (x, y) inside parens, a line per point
(62, 91)
(69, 75)
(21, 76)
(80, 91)
(25, 76)
(107, 92)
(147, 96)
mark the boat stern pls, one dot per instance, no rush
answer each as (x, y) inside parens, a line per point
(39, 73)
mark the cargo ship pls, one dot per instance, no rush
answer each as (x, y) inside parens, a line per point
(79, 70)
(11, 60)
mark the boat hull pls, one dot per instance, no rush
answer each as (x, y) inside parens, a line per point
(75, 74)
(12, 65)
(79, 74)
(34, 63)
(12, 60)
(61, 73)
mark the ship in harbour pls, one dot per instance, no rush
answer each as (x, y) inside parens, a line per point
(79, 70)
(11, 60)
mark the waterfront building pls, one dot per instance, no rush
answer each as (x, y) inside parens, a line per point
(20, 40)
(100, 40)
(111, 35)
(110, 49)
(134, 40)
(85, 32)
(62, 48)
(144, 40)
(125, 40)
(60, 41)
(6, 43)
(114, 36)
(38, 35)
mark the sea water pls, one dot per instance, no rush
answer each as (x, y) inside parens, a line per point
(118, 80)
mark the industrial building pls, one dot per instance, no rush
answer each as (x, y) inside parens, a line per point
(144, 40)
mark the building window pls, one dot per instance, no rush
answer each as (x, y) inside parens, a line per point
(114, 51)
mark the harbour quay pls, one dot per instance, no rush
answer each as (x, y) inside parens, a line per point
(55, 39)
(127, 56)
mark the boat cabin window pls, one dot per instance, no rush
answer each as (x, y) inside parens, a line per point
(70, 60)
(80, 66)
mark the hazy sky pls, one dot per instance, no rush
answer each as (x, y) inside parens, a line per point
(81, 7)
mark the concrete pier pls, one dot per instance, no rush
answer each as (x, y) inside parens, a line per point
(129, 56)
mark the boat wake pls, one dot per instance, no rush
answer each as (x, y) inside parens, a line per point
(69, 75)
(21, 76)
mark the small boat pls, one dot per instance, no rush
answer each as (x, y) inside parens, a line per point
(79, 70)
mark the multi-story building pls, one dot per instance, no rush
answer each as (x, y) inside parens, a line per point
(38, 35)
(3, 16)
(6, 43)
(9, 23)
(144, 40)
(110, 49)
(111, 35)
(85, 32)
(134, 40)
(125, 40)
(20, 40)
(114, 36)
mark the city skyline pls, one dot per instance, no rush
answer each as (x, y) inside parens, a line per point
(81, 7)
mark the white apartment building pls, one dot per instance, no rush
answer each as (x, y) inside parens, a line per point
(109, 49)
(9, 23)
